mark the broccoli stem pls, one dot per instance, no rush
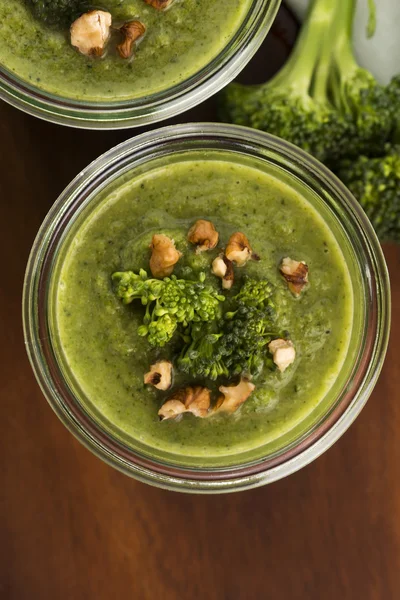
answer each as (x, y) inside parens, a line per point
(371, 25)
(342, 56)
(323, 69)
(299, 68)
(343, 51)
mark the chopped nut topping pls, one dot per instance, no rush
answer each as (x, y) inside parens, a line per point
(239, 250)
(219, 267)
(283, 353)
(91, 31)
(295, 273)
(222, 267)
(190, 399)
(204, 235)
(160, 375)
(164, 255)
(171, 409)
(132, 31)
(159, 4)
(233, 396)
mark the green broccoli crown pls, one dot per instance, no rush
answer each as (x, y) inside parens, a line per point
(288, 113)
(58, 13)
(375, 182)
(169, 302)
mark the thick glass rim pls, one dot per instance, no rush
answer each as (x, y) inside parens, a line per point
(206, 480)
(156, 107)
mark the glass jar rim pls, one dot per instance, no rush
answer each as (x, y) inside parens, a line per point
(207, 480)
(165, 104)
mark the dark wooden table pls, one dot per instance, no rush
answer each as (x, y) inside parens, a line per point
(72, 528)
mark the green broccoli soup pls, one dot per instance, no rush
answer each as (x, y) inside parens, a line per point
(170, 45)
(223, 278)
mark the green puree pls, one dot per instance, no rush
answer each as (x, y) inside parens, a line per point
(98, 334)
(178, 43)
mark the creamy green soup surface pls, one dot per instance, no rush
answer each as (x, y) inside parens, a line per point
(98, 333)
(178, 43)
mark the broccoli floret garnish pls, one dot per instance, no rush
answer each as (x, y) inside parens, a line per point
(237, 343)
(202, 356)
(169, 302)
(58, 13)
(375, 182)
(256, 293)
(247, 334)
(321, 100)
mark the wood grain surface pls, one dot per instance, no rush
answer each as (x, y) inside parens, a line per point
(73, 528)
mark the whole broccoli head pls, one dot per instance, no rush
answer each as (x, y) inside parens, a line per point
(169, 302)
(57, 13)
(375, 182)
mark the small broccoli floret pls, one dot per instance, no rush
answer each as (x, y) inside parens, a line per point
(237, 343)
(247, 334)
(202, 355)
(256, 293)
(58, 13)
(169, 302)
(375, 182)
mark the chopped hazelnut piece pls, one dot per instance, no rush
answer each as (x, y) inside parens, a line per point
(160, 375)
(239, 250)
(222, 267)
(132, 31)
(283, 353)
(204, 235)
(190, 399)
(233, 396)
(164, 255)
(91, 31)
(159, 4)
(295, 273)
